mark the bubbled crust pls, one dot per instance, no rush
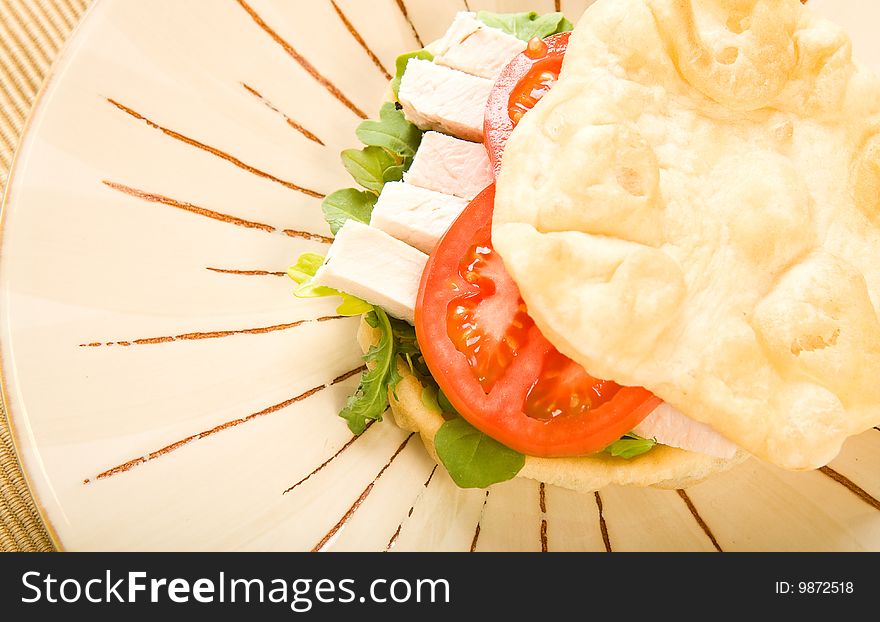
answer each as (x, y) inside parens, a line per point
(695, 208)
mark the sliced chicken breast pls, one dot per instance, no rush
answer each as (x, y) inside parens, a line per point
(475, 48)
(414, 215)
(669, 426)
(451, 166)
(368, 263)
(435, 97)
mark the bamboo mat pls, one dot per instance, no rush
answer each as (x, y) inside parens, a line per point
(31, 34)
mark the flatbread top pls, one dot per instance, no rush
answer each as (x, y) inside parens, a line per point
(695, 208)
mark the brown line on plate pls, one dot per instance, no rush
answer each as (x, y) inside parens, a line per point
(305, 235)
(393, 539)
(602, 525)
(542, 504)
(363, 497)
(850, 485)
(427, 483)
(297, 126)
(349, 374)
(216, 152)
(544, 535)
(246, 272)
(693, 509)
(207, 213)
(127, 466)
(299, 58)
(188, 207)
(357, 37)
(479, 527)
(467, 6)
(330, 459)
(217, 334)
(558, 4)
(402, 6)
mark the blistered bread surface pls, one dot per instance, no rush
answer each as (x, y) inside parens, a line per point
(695, 208)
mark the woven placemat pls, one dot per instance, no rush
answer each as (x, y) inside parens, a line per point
(31, 35)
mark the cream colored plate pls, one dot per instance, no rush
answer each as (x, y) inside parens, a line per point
(166, 389)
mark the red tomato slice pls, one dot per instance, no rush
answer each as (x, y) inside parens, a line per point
(496, 367)
(523, 82)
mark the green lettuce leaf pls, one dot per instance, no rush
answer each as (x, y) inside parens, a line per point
(400, 66)
(527, 26)
(303, 273)
(390, 146)
(444, 403)
(473, 459)
(630, 446)
(429, 399)
(370, 167)
(371, 398)
(348, 204)
(392, 132)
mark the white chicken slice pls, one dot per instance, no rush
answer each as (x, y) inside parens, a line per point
(475, 48)
(435, 97)
(451, 166)
(669, 426)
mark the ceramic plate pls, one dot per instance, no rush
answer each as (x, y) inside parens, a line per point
(166, 389)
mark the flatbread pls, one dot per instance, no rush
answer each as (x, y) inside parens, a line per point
(662, 467)
(695, 208)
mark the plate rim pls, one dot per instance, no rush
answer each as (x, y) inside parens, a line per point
(49, 83)
(17, 421)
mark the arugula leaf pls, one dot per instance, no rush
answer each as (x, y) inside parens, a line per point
(429, 399)
(527, 26)
(444, 403)
(348, 204)
(630, 446)
(405, 335)
(392, 132)
(371, 398)
(473, 459)
(405, 345)
(369, 166)
(395, 173)
(391, 144)
(303, 274)
(400, 65)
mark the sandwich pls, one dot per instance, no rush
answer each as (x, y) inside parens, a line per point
(636, 251)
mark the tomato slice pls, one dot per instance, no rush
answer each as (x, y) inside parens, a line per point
(523, 82)
(496, 367)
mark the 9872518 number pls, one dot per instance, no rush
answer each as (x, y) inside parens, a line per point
(825, 587)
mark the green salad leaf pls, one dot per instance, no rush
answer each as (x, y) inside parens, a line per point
(473, 459)
(392, 132)
(630, 446)
(370, 167)
(444, 403)
(429, 399)
(400, 66)
(348, 204)
(371, 398)
(406, 346)
(303, 273)
(527, 26)
(390, 144)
